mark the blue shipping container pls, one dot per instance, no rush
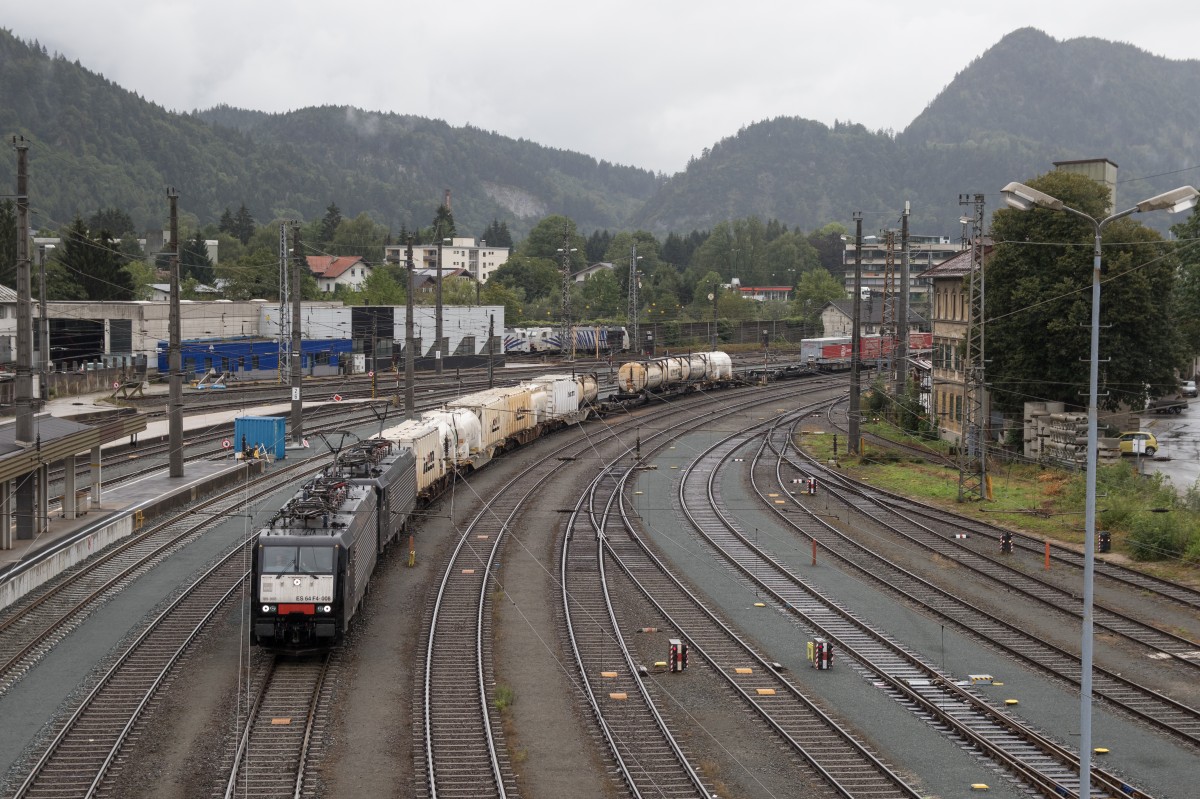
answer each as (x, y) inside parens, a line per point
(268, 432)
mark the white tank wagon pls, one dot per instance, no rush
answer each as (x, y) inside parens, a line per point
(674, 373)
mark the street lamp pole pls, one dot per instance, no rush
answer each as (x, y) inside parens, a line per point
(437, 319)
(1024, 198)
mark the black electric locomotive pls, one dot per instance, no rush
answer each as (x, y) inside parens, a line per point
(313, 561)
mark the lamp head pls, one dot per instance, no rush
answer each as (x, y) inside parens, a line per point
(1024, 198)
(1173, 201)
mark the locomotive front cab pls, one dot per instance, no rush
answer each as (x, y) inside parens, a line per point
(297, 606)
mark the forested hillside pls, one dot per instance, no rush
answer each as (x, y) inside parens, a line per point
(95, 144)
(1028, 101)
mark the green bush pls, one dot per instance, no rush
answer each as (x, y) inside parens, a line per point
(1157, 536)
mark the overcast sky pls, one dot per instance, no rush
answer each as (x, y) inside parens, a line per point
(647, 83)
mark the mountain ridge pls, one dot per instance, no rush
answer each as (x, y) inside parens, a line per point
(1025, 102)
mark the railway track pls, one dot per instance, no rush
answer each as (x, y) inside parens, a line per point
(45, 616)
(917, 530)
(283, 721)
(952, 524)
(86, 750)
(1028, 755)
(829, 750)
(461, 749)
(1162, 712)
(650, 758)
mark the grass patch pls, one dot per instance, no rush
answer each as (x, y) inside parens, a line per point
(1147, 519)
(503, 698)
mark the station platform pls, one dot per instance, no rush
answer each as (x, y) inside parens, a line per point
(65, 542)
(122, 510)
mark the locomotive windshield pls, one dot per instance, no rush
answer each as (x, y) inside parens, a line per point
(297, 560)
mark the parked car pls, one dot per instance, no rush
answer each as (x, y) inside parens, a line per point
(1188, 388)
(1138, 442)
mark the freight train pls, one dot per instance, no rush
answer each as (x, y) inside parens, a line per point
(833, 352)
(312, 563)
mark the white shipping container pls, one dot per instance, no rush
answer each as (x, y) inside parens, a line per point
(562, 394)
(429, 443)
(503, 413)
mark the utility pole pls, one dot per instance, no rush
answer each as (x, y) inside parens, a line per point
(972, 450)
(566, 340)
(856, 343)
(437, 322)
(491, 348)
(297, 376)
(175, 349)
(410, 403)
(23, 388)
(902, 307)
(634, 300)
(285, 271)
(44, 333)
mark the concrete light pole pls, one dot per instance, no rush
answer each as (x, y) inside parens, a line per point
(1024, 198)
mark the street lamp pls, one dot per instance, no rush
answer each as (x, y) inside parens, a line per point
(1024, 198)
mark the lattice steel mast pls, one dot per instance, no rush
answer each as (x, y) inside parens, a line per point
(972, 450)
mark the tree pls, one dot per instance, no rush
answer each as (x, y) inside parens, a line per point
(359, 236)
(496, 294)
(254, 276)
(815, 288)
(330, 223)
(194, 261)
(113, 220)
(8, 243)
(93, 265)
(546, 241)
(443, 224)
(1186, 308)
(601, 296)
(380, 288)
(243, 225)
(1039, 303)
(830, 247)
(496, 235)
(597, 245)
(538, 278)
